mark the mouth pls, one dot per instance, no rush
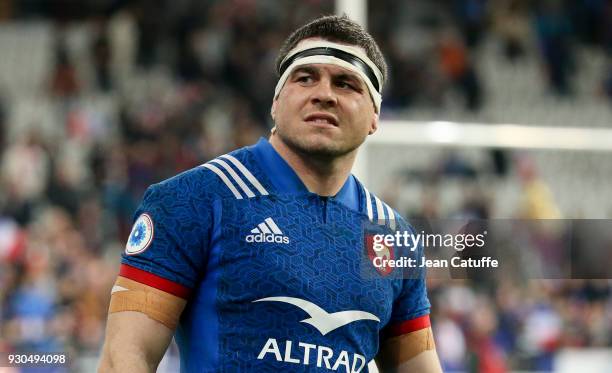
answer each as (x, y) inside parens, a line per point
(321, 119)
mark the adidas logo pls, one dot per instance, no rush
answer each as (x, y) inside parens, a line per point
(267, 231)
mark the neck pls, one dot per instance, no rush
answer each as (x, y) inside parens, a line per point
(324, 176)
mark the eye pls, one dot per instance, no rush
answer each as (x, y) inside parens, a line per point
(303, 78)
(345, 85)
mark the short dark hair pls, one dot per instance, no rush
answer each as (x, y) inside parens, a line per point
(339, 29)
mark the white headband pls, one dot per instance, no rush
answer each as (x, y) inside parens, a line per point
(330, 59)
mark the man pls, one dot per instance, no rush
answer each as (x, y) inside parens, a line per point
(254, 257)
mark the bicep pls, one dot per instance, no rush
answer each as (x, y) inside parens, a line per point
(134, 342)
(140, 325)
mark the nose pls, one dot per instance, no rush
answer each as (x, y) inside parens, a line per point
(323, 94)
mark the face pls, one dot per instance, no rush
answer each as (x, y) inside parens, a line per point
(324, 110)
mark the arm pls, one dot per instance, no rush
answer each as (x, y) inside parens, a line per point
(134, 343)
(141, 322)
(162, 261)
(411, 352)
(407, 343)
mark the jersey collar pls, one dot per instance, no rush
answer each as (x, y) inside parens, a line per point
(285, 180)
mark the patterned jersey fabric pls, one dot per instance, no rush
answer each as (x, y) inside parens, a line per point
(272, 273)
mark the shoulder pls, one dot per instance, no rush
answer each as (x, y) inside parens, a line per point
(236, 175)
(233, 175)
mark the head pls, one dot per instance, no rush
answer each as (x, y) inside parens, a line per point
(327, 101)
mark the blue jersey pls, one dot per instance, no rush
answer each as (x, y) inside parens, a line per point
(271, 272)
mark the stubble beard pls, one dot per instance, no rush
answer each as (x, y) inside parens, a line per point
(321, 150)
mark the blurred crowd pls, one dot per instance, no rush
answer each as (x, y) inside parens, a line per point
(188, 80)
(517, 326)
(523, 314)
(435, 45)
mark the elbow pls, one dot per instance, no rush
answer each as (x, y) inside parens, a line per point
(126, 361)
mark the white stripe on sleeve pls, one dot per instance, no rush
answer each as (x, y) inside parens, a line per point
(391, 216)
(235, 176)
(224, 178)
(368, 203)
(380, 213)
(247, 174)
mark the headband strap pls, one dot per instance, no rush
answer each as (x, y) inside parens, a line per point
(340, 54)
(326, 52)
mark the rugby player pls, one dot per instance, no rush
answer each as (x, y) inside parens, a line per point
(252, 260)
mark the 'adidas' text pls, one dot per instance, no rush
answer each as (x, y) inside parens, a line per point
(267, 231)
(262, 237)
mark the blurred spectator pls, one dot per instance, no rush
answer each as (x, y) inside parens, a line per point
(64, 81)
(101, 53)
(512, 24)
(471, 15)
(150, 16)
(542, 333)
(12, 244)
(122, 39)
(23, 175)
(487, 356)
(554, 30)
(459, 69)
(451, 345)
(538, 201)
